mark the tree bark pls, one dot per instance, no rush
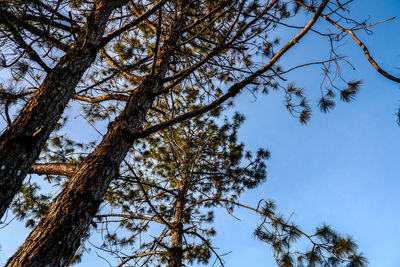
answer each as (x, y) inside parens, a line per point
(63, 169)
(23, 140)
(175, 252)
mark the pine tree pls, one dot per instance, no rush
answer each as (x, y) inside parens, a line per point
(182, 179)
(130, 63)
(179, 176)
(22, 140)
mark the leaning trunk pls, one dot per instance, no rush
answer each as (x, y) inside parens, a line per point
(23, 140)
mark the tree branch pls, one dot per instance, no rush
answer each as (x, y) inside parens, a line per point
(129, 216)
(358, 41)
(100, 98)
(237, 87)
(21, 42)
(63, 169)
(131, 24)
(114, 65)
(32, 29)
(147, 197)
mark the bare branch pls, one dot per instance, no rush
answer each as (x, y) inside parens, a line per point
(358, 41)
(129, 216)
(63, 169)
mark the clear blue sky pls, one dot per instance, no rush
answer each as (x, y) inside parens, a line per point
(342, 168)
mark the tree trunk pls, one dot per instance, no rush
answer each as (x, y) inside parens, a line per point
(23, 140)
(175, 252)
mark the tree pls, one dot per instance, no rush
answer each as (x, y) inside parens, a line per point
(205, 51)
(175, 179)
(179, 175)
(23, 138)
(181, 180)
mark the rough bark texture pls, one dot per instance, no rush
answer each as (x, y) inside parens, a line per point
(175, 253)
(58, 235)
(63, 169)
(21, 143)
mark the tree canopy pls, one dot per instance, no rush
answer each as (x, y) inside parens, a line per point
(154, 79)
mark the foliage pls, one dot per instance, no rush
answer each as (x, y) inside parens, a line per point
(328, 248)
(190, 58)
(186, 172)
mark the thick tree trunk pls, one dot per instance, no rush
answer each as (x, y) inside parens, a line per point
(21, 143)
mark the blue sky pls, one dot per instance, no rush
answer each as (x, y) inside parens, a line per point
(342, 168)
